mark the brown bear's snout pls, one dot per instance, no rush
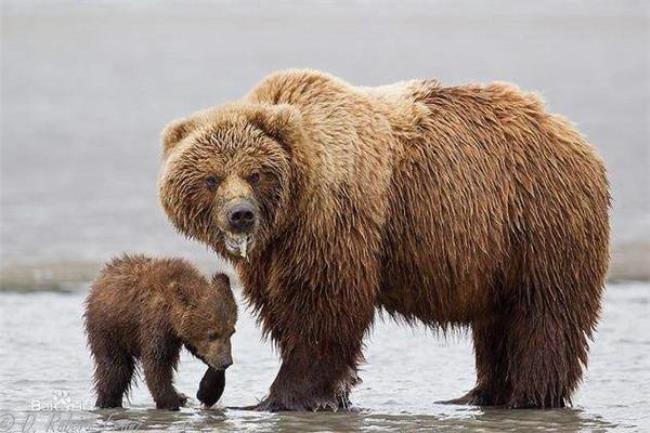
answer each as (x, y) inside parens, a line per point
(241, 216)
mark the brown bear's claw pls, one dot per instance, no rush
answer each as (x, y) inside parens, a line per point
(475, 397)
(316, 405)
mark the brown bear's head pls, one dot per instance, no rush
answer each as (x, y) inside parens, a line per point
(228, 174)
(208, 322)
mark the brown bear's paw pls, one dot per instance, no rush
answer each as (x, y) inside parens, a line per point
(315, 404)
(550, 402)
(171, 401)
(270, 405)
(476, 397)
(344, 389)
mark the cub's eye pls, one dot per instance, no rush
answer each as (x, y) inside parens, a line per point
(213, 336)
(212, 182)
(254, 177)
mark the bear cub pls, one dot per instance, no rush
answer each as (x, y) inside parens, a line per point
(146, 309)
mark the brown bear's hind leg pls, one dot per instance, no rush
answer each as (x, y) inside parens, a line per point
(492, 387)
(112, 378)
(546, 354)
(527, 360)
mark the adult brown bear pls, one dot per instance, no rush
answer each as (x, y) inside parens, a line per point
(451, 206)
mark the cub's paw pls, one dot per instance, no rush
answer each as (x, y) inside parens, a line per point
(108, 403)
(171, 401)
(211, 386)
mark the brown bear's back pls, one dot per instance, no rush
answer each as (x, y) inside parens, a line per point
(493, 195)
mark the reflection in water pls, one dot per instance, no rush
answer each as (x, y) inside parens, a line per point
(153, 419)
(464, 419)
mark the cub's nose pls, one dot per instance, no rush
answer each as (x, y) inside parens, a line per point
(241, 217)
(226, 361)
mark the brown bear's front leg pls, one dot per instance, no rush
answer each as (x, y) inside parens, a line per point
(320, 334)
(307, 383)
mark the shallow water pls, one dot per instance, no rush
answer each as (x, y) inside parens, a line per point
(46, 366)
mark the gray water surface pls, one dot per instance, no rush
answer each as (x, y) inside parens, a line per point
(45, 366)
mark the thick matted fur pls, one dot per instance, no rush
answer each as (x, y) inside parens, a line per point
(463, 206)
(141, 308)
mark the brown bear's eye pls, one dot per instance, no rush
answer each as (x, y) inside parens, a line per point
(254, 177)
(211, 182)
(213, 336)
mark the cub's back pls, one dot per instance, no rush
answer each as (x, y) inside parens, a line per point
(121, 281)
(132, 287)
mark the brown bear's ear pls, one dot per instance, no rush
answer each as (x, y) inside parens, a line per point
(174, 132)
(282, 122)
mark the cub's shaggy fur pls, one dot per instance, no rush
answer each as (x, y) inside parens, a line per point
(462, 206)
(143, 308)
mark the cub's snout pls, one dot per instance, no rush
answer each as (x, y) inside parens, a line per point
(219, 354)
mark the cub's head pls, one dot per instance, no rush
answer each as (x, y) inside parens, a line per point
(208, 322)
(228, 173)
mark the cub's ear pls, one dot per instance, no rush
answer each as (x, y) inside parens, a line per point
(174, 132)
(180, 294)
(221, 279)
(282, 122)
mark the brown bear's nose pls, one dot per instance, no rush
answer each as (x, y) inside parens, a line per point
(241, 217)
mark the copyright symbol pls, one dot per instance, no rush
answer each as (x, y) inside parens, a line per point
(7, 421)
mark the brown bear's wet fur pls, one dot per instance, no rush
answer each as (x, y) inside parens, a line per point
(463, 206)
(147, 309)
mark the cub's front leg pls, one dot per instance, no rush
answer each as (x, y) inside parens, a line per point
(159, 360)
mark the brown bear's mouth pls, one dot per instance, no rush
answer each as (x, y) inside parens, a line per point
(238, 245)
